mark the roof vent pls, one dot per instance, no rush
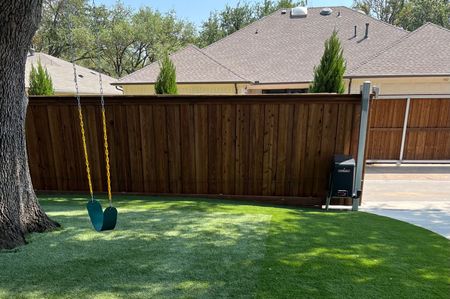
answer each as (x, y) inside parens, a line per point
(326, 11)
(283, 11)
(299, 12)
(361, 11)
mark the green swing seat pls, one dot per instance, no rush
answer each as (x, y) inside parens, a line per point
(101, 221)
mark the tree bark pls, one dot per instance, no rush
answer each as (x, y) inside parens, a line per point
(20, 212)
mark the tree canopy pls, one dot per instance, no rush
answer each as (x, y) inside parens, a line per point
(408, 14)
(114, 40)
(232, 18)
(118, 40)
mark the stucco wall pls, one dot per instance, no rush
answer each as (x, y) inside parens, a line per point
(411, 85)
(407, 85)
(213, 88)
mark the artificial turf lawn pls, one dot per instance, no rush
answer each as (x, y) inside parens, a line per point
(165, 248)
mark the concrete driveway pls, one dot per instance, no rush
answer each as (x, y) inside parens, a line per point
(418, 194)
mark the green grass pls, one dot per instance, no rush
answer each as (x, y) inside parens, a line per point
(172, 248)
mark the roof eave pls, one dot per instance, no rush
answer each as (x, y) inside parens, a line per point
(183, 82)
(398, 75)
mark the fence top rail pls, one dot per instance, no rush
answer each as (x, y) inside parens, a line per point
(200, 99)
(413, 96)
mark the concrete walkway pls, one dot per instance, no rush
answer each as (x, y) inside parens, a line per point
(418, 194)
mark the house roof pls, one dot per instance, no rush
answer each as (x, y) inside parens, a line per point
(423, 52)
(192, 66)
(281, 49)
(61, 72)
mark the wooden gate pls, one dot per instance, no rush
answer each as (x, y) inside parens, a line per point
(424, 136)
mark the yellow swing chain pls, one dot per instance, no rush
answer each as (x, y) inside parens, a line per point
(80, 112)
(86, 157)
(105, 131)
(80, 115)
(105, 144)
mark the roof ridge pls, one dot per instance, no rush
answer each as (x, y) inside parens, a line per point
(377, 20)
(245, 27)
(156, 61)
(219, 63)
(60, 62)
(188, 46)
(433, 25)
(279, 10)
(387, 48)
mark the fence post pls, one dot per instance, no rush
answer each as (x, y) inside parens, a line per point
(405, 126)
(365, 97)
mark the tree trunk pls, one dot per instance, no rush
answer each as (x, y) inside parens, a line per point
(20, 212)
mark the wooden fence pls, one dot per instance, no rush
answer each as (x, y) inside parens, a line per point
(426, 134)
(279, 146)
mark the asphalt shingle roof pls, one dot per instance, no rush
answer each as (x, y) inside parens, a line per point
(281, 49)
(192, 66)
(425, 51)
(61, 72)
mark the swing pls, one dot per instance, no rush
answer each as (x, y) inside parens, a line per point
(101, 220)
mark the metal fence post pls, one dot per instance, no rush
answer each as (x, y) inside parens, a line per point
(365, 97)
(405, 126)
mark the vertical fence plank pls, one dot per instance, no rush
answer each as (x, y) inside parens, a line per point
(56, 133)
(201, 148)
(113, 154)
(327, 147)
(315, 118)
(45, 148)
(283, 149)
(297, 160)
(356, 117)
(147, 139)
(214, 149)
(34, 161)
(135, 147)
(188, 149)
(160, 142)
(121, 144)
(228, 148)
(242, 149)
(256, 148)
(174, 147)
(270, 149)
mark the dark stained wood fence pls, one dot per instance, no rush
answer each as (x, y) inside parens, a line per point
(231, 145)
(427, 131)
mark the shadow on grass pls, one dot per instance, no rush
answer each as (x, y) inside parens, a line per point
(171, 248)
(167, 251)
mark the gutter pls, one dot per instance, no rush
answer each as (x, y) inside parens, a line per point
(206, 82)
(396, 76)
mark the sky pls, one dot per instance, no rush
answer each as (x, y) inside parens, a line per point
(198, 10)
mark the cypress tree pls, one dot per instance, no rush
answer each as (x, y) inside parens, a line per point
(41, 83)
(329, 75)
(167, 78)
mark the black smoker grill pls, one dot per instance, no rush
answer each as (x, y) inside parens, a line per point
(342, 177)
